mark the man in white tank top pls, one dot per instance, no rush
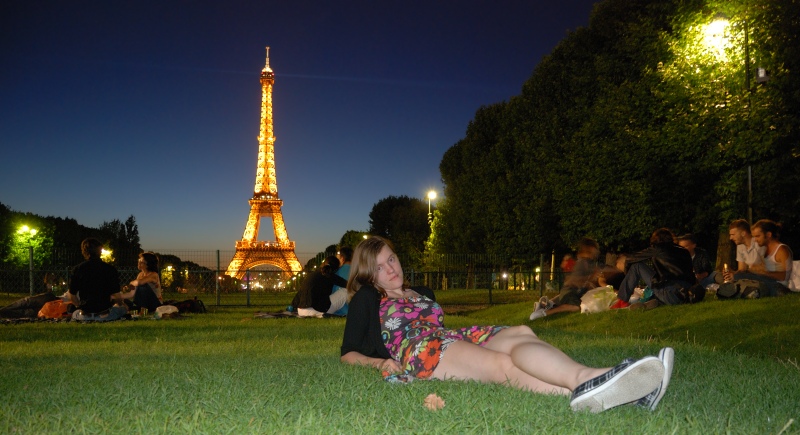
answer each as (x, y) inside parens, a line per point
(778, 257)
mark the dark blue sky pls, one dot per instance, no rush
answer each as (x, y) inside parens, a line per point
(151, 108)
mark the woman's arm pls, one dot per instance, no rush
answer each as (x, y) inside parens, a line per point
(145, 277)
(358, 336)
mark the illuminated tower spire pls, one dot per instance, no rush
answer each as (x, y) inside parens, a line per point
(266, 183)
(251, 252)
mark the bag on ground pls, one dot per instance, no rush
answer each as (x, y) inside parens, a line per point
(188, 306)
(57, 309)
(597, 300)
(742, 288)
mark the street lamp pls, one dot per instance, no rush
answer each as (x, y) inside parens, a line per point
(717, 40)
(431, 197)
(30, 232)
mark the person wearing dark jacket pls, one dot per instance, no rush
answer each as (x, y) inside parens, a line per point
(92, 285)
(665, 267)
(314, 297)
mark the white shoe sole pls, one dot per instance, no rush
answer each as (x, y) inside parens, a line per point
(633, 383)
(667, 357)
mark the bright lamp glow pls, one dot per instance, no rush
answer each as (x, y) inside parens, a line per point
(432, 195)
(715, 37)
(107, 255)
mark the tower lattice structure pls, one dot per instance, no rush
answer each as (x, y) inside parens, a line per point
(251, 252)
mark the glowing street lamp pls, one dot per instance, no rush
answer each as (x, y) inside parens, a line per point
(431, 197)
(715, 37)
(107, 255)
(26, 230)
(717, 40)
(30, 232)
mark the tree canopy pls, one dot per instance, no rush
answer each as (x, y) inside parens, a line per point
(634, 122)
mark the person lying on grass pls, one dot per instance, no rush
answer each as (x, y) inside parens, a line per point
(399, 329)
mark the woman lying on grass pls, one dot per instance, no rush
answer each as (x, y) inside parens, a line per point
(399, 329)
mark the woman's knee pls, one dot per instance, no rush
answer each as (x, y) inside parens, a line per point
(522, 331)
(503, 368)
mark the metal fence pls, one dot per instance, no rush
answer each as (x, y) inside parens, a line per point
(186, 274)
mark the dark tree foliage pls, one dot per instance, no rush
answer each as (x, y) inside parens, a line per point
(351, 238)
(402, 220)
(123, 239)
(630, 124)
(57, 244)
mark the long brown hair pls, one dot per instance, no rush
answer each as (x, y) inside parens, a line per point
(150, 261)
(365, 265)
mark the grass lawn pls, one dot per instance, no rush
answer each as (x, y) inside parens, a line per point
(225, 372)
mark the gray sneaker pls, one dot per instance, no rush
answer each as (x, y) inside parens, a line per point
(538, 313)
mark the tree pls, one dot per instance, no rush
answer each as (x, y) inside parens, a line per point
(404, 221)
(123, 240)
(630, 124)
(352, 238)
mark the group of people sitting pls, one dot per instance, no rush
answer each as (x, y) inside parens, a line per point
(95, 291)
(323, 292)
(674, 270)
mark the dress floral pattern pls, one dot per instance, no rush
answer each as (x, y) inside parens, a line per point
(413, 331)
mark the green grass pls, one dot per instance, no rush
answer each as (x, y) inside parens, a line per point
(226, 372)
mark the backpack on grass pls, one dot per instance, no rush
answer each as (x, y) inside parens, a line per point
(188, 306)
(742, 288)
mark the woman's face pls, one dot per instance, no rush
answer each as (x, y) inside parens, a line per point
(142, 265)
(389, 275)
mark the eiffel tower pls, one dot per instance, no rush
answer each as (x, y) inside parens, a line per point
(251, 252)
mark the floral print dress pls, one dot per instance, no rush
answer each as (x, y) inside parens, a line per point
(413, 331)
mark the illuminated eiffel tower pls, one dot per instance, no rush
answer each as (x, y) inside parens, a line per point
(251, 252)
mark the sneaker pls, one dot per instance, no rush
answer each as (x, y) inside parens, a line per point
(627, 382)
(538, 313)
(645, 306)
(667, 357)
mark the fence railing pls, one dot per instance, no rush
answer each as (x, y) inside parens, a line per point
(186, 274)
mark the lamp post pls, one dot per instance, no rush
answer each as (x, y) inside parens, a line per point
(431, 197)
(29, 232)
(716, 36)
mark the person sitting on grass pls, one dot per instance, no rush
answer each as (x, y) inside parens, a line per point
(776, 268)
(339, 295)
(583, 278)
(93, 284)
(314, 299)
(145, 290)
(399, 329)
(670, 277)
(748, 252)
(703, 269)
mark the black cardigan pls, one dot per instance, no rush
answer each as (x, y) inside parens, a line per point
(362, 332)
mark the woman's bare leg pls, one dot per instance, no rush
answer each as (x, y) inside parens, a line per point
(467, 361)
(515, 355)
(541, 359)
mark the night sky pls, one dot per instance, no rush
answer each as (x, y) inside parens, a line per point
(152, 108)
